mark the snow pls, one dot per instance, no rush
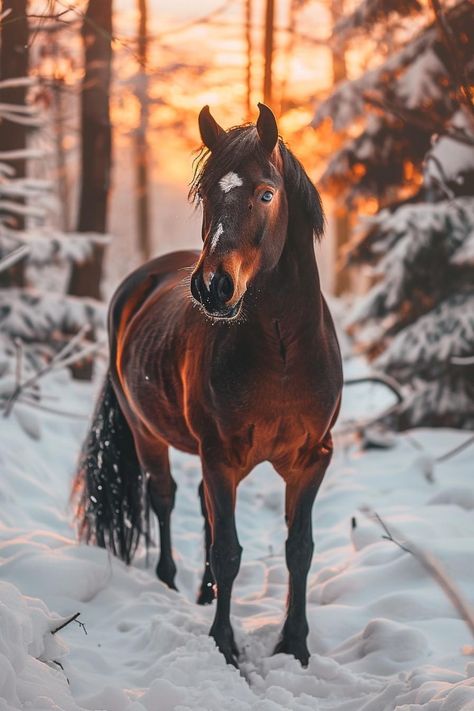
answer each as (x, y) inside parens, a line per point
(383, 635)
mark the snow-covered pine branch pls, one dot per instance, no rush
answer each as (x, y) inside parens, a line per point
(46, 246)
(371, 12)
(413, 246)
(36, 316)
(427, 346)
(392, 111)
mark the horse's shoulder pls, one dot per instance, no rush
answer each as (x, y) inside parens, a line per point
(143, 281)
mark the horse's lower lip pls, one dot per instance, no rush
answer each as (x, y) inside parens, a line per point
(227, 314)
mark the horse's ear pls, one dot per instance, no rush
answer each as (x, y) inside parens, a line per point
(267, 128)
(209, 128)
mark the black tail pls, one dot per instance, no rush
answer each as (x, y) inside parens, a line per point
(110, 486)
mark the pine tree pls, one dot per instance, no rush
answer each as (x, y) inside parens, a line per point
(414, 154)
(41, 328)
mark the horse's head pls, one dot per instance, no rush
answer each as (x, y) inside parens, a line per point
(245, 211)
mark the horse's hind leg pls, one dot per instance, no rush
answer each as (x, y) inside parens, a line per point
(206, 593)
(301, 490)
(161, 491)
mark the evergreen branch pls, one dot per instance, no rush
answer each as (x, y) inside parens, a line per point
(423, 122)
(456, 66)
(462, 360)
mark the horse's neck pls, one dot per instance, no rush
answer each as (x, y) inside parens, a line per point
(292, 290)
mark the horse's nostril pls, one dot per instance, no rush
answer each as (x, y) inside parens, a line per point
(198, 289)
(224, 287)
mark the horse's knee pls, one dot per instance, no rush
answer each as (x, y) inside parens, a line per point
(225, 560)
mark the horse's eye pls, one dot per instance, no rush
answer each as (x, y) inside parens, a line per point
(267, 196)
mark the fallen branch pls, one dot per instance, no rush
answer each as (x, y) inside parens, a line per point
(431, 565)
(68, 622)
(62, 359)
(386, 380)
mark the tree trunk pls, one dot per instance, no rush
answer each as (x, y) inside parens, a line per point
(341, 216)
(141, 147)
(248, 68)
(268, 53)
(14, 65)
(96, 136)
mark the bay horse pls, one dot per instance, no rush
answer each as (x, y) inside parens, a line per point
(230, 354)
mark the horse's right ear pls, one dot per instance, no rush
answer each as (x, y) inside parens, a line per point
(209, 128)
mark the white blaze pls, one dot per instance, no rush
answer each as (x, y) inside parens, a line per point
(215, 237)
(229, 181)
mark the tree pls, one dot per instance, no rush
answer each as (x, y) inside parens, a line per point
(40, 329)
(13, 65)
(96, 133)
(413, 154)
(141, 145)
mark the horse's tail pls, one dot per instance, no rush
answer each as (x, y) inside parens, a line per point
(109, 487)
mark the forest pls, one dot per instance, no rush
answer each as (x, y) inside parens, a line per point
(100, 146)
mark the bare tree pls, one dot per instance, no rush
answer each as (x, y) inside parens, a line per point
(14, 65)
(96, 135)
(268, 52)
(141, 147)
(340, 214)
(248, 68)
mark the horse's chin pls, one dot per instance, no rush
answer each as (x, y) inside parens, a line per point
(231, 314)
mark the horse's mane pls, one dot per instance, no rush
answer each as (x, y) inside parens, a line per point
(241, 144)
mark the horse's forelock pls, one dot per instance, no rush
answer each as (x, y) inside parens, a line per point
(241, 144)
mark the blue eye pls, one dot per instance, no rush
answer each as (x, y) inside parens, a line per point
(267, 196)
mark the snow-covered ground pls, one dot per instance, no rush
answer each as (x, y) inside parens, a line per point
(383, 633)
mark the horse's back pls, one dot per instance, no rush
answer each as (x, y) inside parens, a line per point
(140, 284)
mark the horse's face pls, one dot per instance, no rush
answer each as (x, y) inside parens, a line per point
(245, 214)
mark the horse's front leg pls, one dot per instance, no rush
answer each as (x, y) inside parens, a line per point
(220, 492)
(302, 487)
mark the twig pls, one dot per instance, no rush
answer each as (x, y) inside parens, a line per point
(27, 400)
(432, 566)
(462, 360)
(460, 447)
(386, 380)
(14, 257)
(19, 362)
(68, 622)
(447, 455)
(59, 361)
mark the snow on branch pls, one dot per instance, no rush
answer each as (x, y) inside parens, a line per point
(370, 12)
(37, 316)
(47, 246)
(413, 244)
(445, 332)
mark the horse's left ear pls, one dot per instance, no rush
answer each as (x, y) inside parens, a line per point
(267, 128)
(209, 128)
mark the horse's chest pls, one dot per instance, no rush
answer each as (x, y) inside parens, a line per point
(270, 414)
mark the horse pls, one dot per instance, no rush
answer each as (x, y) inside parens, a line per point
(230, 354)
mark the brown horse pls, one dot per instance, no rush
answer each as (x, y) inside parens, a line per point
(247, 369)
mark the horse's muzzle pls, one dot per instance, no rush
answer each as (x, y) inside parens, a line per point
(215, 298)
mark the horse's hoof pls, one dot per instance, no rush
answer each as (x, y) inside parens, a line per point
(295, 647)
(206, 595)
(226, 645)
(166, 574)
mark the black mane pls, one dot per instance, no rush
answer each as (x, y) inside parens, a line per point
(242, 144)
